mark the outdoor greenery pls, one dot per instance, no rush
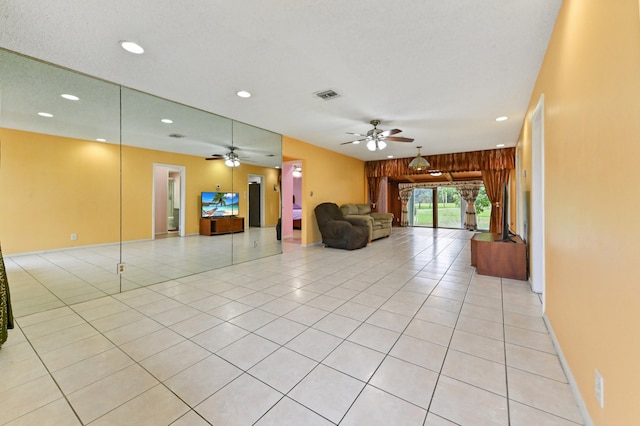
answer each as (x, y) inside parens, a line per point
(448, 208)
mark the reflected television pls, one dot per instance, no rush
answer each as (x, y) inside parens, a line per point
(218, 204)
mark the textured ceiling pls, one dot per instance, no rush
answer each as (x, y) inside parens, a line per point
(441, 71)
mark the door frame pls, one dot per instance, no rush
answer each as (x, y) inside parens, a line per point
(182, 170)
(538, 265)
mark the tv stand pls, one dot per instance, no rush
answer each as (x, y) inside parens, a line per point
(221, 225)
(498, 258)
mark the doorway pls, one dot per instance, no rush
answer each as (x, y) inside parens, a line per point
(173, 202)
(438, 207)
(168, 200)
(256, 201)
(421, 208)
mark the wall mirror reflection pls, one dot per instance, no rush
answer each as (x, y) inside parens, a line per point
(116, 178)
(60, 185)
(257, 183)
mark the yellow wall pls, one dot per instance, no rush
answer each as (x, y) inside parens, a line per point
(331, 177)
(590, 79)
(54, 186)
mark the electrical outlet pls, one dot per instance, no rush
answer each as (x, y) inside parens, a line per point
(255, 244)
(121, 268)
(599, 388)
(74, 237)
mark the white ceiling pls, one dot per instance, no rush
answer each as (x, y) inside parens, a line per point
(439, 70)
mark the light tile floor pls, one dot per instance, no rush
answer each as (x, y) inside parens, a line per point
(402, 332)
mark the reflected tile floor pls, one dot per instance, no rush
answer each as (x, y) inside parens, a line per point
(402, 332)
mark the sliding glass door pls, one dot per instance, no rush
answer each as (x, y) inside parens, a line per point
(449, 209)
(443, 207)
(421, 208)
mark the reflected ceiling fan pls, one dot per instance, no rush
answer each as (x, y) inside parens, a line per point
(377, 139)
(231, 158)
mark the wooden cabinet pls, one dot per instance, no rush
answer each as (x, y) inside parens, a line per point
(499, 258)
(221, 225)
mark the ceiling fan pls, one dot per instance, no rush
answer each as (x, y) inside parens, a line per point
(376, 139)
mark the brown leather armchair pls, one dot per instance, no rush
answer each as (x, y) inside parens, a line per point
(338, 232)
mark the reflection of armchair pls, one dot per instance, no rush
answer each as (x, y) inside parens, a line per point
(379, 223)
(339, 232)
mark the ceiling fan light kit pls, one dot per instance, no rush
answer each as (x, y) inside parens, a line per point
(231, 163)
(374, 144)
(231, 159)
(419, 164)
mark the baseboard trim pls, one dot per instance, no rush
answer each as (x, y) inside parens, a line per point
(319, 243)
(572, 381)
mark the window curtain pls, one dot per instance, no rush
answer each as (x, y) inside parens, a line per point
(470, 194)
(405, 196)
(6, 316)
(374, 191)
(493, 182)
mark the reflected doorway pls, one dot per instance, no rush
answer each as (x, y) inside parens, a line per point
(256, 201)
(168, 200)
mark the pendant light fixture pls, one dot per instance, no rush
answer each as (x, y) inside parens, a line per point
(419, 164)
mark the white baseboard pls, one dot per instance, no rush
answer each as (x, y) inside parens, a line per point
(572, 381)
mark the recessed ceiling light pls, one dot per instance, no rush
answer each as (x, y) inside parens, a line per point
(502, 118)
(436, 174)
(500, 145)
(70, 97)
(45, 114)
(131, 47)
(389, 156)
(101, 139)
(243, 94)
(167, 120)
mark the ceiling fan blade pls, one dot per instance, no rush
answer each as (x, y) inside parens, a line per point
(215, 157)
(398, 139)
(389, 132)
(356, 141)
(356, 134)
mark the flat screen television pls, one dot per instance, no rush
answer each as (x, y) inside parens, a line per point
(218, 204)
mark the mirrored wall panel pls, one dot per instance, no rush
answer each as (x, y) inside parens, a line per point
(110, 189)
(170, 182)
(256, 181)
(60, 184)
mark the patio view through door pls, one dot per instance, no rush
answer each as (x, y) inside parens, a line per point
(443, 207)
(421, 209)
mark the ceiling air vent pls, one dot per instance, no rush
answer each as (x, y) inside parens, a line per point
(327, 95)
(176, 135)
